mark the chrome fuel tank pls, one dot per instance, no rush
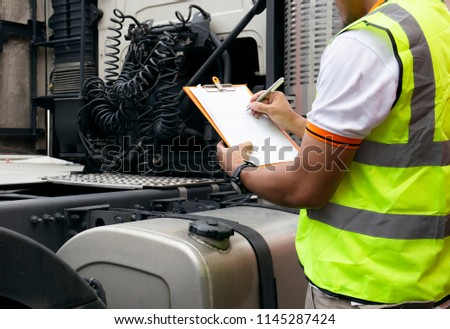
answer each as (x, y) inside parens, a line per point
(237, 257)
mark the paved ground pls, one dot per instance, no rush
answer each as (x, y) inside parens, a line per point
(16, 169)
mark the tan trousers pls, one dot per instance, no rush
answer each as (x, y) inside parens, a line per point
(315, 299)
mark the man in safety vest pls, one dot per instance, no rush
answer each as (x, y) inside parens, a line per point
(373, 171)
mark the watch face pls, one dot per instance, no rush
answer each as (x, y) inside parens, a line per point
(236, 181)
(236, 186)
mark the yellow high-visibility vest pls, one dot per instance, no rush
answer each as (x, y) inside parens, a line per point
(384, 236)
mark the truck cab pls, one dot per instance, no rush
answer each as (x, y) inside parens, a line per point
(111, 194)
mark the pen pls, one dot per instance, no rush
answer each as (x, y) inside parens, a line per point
(269, 90)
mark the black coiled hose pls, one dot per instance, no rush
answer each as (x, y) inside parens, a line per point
(166, 106)
(113, 43)
(142, 101)
(133, 83)
(111, 118)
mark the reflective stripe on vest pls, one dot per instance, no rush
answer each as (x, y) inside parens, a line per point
(381, 245)
(404, 155)
(389, 226)
(421, 128)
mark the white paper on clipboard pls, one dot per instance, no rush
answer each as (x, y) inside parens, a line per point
(227, 112)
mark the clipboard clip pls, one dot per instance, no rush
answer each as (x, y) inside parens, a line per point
(217, 86)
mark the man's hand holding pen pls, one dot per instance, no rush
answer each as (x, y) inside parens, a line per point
(278, 109)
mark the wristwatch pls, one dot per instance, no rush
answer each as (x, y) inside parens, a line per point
(236, 178)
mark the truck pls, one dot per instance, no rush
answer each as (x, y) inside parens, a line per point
(111, 193)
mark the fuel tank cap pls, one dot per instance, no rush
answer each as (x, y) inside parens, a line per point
(211, 228)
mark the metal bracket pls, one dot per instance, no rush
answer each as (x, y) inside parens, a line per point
(8, 29)
(181, 205)
(80, 219)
